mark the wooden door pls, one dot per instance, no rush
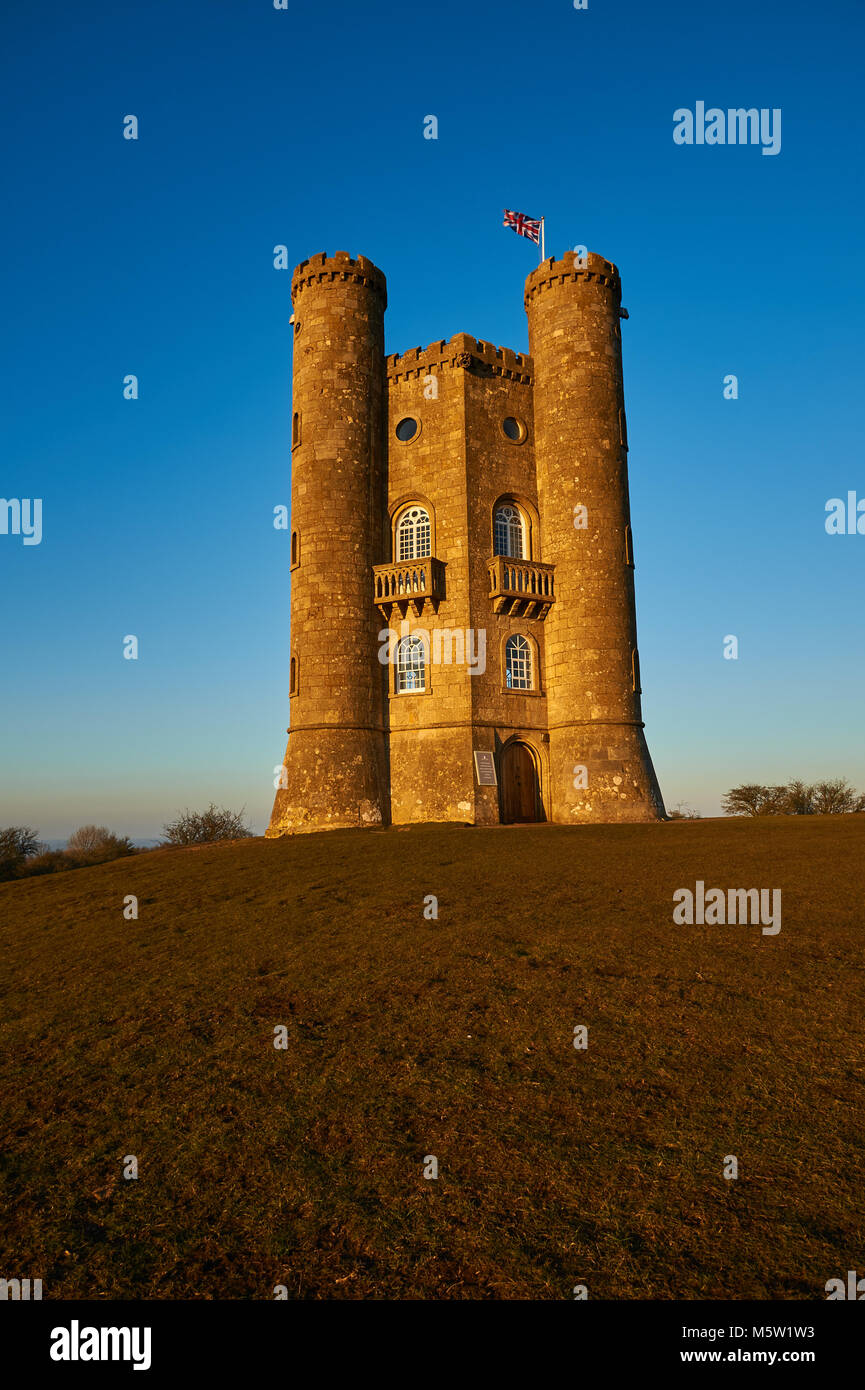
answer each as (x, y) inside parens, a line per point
(519, 785)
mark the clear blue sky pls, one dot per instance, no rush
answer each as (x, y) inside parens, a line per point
(305, 127)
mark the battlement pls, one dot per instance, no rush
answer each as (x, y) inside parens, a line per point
(592, 269)
(323, 269)
(461, 351)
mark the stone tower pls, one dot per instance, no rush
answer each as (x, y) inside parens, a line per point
(463, 632)
(334, 771)
(593, 705)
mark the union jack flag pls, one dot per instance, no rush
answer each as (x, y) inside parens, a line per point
(522, 225)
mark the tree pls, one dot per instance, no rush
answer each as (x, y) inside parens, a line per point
(800, 799)
(96, 843)
(205, 827)
(836, 798)
(752, 799)
(797, 798)
(18, 843)
(87, 839)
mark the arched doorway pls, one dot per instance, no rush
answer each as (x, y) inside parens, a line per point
(519, 780)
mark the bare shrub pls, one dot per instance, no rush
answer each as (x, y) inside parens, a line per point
(831, 798)
(52, 861)
(95, 844)
(753, 799)
(18, 843)
(205, 827)
(836, 798)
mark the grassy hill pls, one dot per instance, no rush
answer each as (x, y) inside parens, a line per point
(409, 1037)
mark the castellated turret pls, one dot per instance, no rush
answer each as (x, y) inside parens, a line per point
(581, 451)
(334, 772)
(463, 635)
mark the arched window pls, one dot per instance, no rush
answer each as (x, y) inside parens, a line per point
(410, 664)
(508, 532)
(518, 663)
(292, 676)
(295, 429)
(294, 550)
(413, 535)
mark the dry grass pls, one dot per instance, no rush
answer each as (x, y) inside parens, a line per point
(410, 1037)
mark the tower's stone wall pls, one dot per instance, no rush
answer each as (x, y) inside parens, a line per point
(595, 719)
(431, 772)
(335, 766)
(499, 468)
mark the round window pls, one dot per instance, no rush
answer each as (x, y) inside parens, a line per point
(406, 429)
(514, 429)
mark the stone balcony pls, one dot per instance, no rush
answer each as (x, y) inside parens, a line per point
(410, 584)
(523, 588)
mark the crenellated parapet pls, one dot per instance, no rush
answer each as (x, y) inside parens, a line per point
(462, 351)
(322, 269)
(590, 269)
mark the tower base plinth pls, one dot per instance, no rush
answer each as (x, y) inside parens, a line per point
(603, 773)
(333, 780)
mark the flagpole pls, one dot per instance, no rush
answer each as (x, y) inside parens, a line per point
(542, 240)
